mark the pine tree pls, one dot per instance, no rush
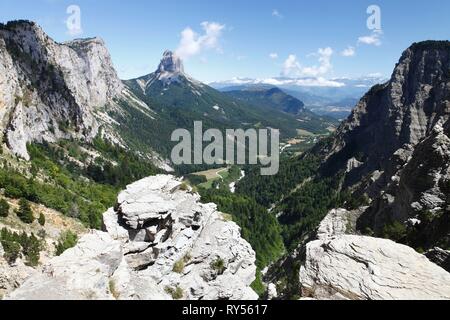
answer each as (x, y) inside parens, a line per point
(24, 212)
(4, 208)
(41, 219)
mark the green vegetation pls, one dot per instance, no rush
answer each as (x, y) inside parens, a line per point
(176, 293)
(184, 187)
(432, 231)
(178, 267)
(258, 285)
(195, 179)
(304, 209)
(113, 289)
(41, 219)
(395, 231)
(15, 244)
(130, 167)
(267, 190)
(4, 208)
(62, 189)
(66, 241)
(24, 212)
(218, 266)
(258, 227)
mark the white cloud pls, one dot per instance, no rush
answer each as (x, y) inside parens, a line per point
(304, 82)
(301, 82)
(375, 75)
(273, 56)
(192, 43)
(373, 39)
(276, 13)
(348, 52)
(292, 66)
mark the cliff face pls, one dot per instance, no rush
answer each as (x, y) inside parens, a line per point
(48, 90)
(160, 243)
(398, 136)
(402, 111)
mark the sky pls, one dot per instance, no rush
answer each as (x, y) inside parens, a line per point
(220, 40)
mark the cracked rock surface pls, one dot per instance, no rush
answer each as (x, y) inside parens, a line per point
(342, 266)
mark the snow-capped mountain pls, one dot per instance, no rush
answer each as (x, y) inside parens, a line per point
(333, 97)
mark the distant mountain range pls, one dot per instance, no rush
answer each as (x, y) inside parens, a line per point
(335, 97)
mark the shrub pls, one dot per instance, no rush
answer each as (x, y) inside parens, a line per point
(176, 293)
(395, 231)
(66, 241)
(219, 266)
(4, 208)
(113, 289)
(12, 251)
(178, 267)
(196, 179)
(15, 244)
(24, 212)
(41, 219)
(31, 247)
(184, 187)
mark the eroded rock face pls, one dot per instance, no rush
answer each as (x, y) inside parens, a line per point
(400, 134)
(343, 266)
(357, 267)
(51, 91)
(439, 256)
(160, 243)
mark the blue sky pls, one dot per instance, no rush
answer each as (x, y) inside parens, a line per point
(243, 34)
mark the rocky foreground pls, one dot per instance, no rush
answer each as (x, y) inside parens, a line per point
(344, 266)
(159, 243)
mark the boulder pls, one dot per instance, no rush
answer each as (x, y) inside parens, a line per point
(357, 267)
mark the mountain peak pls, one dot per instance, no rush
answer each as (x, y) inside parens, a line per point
(170, 63)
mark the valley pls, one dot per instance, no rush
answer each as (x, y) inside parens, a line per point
(88, 186)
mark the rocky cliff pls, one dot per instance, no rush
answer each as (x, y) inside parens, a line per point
(394, 149)
(49, 90)
(159, 243)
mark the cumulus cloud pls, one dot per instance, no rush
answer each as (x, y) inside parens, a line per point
(192, 43)
(374, 39)
(276, 13)
(273, 56)
(348, 52)
(292, 66)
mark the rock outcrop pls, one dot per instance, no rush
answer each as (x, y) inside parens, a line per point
(50, 91)
(440, 257)
(343, 266)
(160, 243)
